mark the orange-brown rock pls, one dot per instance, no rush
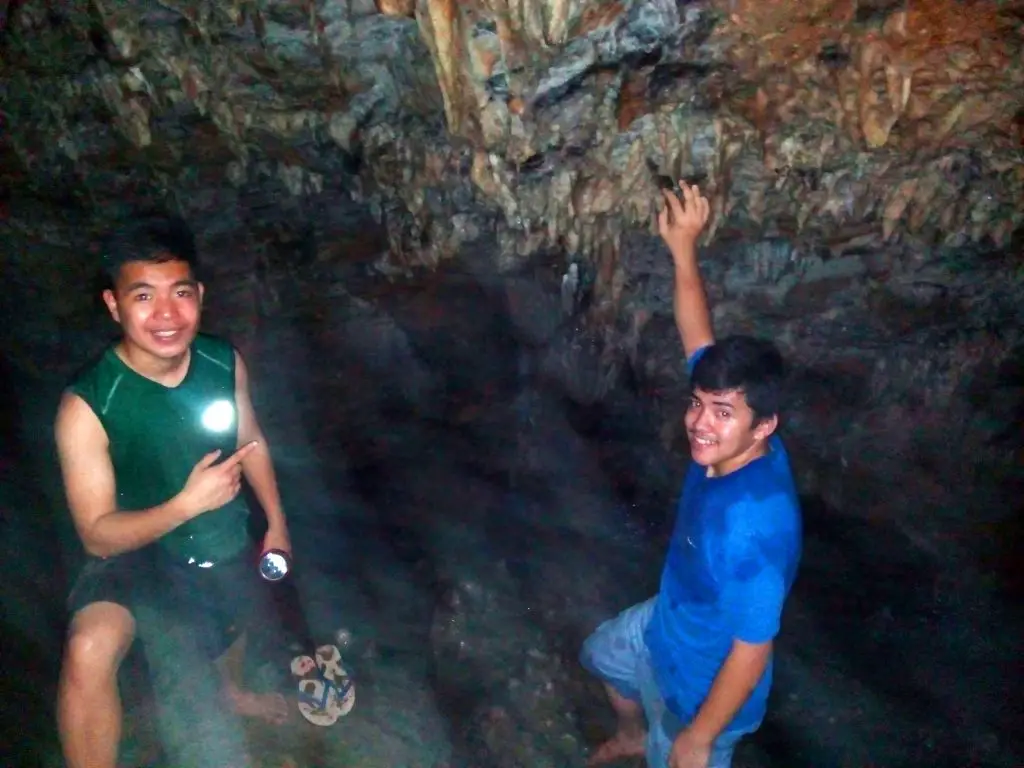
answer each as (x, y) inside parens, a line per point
(396, 7)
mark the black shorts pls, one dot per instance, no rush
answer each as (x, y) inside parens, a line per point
(121, 579)
(217, 603)
(213, 605)
(186, 617)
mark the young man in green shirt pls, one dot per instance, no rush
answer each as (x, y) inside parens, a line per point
(154, 439)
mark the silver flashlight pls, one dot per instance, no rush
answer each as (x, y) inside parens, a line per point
(275, 564)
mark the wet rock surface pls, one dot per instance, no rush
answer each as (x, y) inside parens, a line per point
(548, 123)
(467, 516)
(427, 224)
(863, 161)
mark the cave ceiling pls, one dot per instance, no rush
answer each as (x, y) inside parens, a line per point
(546, 124)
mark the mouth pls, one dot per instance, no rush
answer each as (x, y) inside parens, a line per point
(701, 442)
(167, 335)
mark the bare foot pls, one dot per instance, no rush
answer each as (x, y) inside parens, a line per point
(619, 746)
(269, 707)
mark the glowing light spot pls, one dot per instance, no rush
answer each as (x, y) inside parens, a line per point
(274, 565)
(219, 416)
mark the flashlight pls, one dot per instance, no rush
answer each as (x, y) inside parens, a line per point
(218, 416)
(275, 564)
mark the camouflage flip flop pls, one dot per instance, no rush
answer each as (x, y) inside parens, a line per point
(326, 692)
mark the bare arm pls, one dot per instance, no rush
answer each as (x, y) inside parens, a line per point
(680, 223)
(733, 685)
(690, 303)
(92, 496)
(258, 466)
(91, 488)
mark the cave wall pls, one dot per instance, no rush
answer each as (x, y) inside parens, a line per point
(863, 160)
(835, 123)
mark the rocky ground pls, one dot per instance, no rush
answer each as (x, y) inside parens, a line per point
(468, 524)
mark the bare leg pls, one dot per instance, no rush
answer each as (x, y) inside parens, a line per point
(88, 702)
(630, 736)
(270, 707)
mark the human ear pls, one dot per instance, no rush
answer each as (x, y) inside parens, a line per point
(111, 301)
(766, 427)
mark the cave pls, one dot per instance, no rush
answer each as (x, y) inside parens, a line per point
(427, 225)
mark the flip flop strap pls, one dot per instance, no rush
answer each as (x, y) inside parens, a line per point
(328, 684)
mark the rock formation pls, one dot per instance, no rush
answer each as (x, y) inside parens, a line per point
(835, 123)
(340, 159)
(863, 158)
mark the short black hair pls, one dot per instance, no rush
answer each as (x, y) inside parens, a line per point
(751, 365)
(155, 238)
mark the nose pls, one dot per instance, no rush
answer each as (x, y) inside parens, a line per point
(698, 418)
(164, 307)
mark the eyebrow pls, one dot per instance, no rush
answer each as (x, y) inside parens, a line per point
(137, 285)
(719, 403)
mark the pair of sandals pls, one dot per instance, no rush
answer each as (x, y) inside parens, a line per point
(326, 692)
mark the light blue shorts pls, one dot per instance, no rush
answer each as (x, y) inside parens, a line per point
(617, 654)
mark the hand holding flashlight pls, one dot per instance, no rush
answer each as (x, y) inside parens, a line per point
(276, 557)
(275, 564)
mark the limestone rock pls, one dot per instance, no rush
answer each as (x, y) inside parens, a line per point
(843, 145)
(790, 117)
(404, 8)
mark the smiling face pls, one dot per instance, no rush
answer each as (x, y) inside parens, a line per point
(722, 433)
(158, 305)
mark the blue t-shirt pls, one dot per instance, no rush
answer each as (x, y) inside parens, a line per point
(730, 565)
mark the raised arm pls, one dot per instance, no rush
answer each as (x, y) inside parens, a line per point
(91, 489)
(680, 222)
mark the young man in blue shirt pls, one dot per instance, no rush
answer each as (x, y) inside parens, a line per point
(688, 671)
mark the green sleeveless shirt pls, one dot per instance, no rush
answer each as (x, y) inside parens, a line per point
(157, 435)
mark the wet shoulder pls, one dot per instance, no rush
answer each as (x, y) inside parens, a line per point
(778, 473)
(762, 496)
